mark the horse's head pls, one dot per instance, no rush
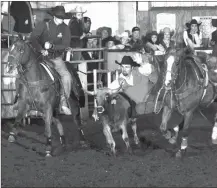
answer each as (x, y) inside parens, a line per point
(171, 64)
(19, 54)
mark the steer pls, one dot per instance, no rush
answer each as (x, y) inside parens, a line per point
(115, 113)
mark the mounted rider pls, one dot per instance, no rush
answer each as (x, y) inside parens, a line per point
(51, 39)
(136, 79)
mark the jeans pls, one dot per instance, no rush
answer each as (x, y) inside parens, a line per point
(61, 68)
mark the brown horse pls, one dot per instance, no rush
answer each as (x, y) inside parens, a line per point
(189, 80)
(39, 91)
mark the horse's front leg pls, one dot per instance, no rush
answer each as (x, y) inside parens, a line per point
(184, 142)
(214, 131)
(60, 130)
(165, 118)
(22, 110)
(48, 118)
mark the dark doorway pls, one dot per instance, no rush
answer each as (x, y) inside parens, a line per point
(22, 14)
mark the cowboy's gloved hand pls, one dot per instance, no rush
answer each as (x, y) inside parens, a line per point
(48, 45)
(44, 52)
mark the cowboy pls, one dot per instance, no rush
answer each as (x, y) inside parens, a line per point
(51, 39)
(136, 79)
(135, 42)
(76, 26)
(192, 36)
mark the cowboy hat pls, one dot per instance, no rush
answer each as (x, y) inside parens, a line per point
(193, 21)
(59, 12)
(78, 9)
(127, 60)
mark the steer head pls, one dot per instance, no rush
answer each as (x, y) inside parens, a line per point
(102, 96)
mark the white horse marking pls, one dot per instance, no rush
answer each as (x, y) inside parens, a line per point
(214, 132)
(170, 62)
(134, 128)
(12, 48)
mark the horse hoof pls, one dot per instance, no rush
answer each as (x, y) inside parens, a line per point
(180, 153)
(84, 144)
(214, 141)
(48, 154)
(168, 135)
(172, 140)
(11, 139)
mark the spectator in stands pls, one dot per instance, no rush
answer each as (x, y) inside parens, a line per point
(165, 40)
(105, 33)
(86, 30)
(214, 38)
(76, 26)
(192, 36)
(153, 43)
(111, 42)
(135, 42)
(124, 40)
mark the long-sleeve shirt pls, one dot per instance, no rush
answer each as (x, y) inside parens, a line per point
(196, 39)
(58, 35)
(137, 85)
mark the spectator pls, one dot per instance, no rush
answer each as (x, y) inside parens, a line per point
(135, 42)
(192, 36)
(214, 38)
(153, 43)
(76, 26)
(105, 33)
(166, 41)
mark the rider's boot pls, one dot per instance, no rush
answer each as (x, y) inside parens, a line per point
(64, 105)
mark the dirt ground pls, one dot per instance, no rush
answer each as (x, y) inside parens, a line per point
(152, 165)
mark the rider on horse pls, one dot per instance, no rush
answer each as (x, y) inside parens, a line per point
(51, 39)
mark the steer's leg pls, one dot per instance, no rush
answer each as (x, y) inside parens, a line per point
(109, 138)
(125, 137)
(134, 128)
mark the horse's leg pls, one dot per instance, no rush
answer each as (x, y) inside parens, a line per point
(60, 130)
(47, 118)
(77, 119)
(22, 109)
(175, 132)
(109, 138)
(214, 131)
(165, 118)
(134, 128)
(184, 142)
(125, 136)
